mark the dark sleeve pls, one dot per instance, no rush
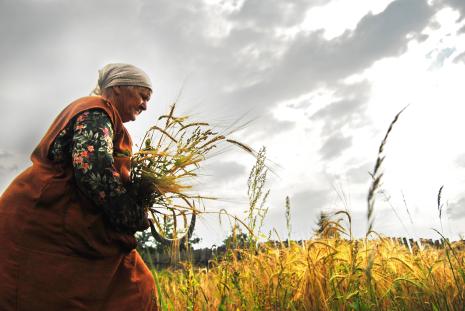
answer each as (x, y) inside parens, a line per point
(96, 176)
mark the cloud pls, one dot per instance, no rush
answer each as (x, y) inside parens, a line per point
(347, 111)
(59, 31)
(309, 201)
(236, 58)
(459, 58)
(251, 66)
(7, 169)
(8, 166)
(223, 172)
(421, 37)
(442, 56)
(5, 154)
(302, 104)
(269, 14)
(50, 55)
(335, 145)
(310, 60)
(360, 174)
(461, 30)
(460, 160)
(456, 210)
(456, 4)
(267, 125)
(385, 222)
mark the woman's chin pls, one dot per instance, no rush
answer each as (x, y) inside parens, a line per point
(132, 117)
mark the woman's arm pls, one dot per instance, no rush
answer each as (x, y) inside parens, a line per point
(96, 176)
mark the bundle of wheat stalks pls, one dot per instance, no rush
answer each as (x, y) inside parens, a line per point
(168, 160)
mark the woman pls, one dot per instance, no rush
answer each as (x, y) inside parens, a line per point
(67, 223)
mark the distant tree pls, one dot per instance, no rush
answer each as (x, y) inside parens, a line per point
(327, 228)
(147, 246)
(237, 239)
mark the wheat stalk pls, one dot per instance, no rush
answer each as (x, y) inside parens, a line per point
(377, 174)
(169, 157)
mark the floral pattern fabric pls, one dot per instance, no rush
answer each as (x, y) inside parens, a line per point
(87, 144)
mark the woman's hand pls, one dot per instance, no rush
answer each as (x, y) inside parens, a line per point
(144, 192)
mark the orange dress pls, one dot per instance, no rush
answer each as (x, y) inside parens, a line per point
(56, 250)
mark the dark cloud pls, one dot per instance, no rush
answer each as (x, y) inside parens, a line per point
(421, 37)
(459, 58)
(50, 55)
(456, 210)
(360, 174)
(252, 67)
(223, 172)
(267, 125)
(51, 52)
(311, 60)
(309, 200)
(461, 30)
(341, 109)
(334, 146)
(54, 34)
(342, 115)
(346, 112)
(176, 30)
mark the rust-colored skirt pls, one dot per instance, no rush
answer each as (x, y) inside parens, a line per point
(56, 253)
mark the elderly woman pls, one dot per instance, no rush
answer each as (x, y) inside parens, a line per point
(67, 223)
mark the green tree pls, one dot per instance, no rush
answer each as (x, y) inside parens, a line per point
(327, 228)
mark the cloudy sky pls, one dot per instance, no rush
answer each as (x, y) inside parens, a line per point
(320, 80)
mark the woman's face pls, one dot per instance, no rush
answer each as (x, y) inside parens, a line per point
(131, 101)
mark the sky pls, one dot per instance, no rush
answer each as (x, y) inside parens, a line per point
(319, 80)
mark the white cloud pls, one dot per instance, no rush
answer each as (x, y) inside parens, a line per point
(335, 18)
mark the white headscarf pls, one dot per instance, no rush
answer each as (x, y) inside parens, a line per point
(121, 74)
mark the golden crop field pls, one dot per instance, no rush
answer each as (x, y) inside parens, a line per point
(322, 274)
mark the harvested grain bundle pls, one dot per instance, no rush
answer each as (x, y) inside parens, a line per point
(165, 167)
